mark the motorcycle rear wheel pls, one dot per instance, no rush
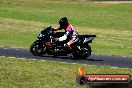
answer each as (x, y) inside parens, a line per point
(86, 52)
(83, 53)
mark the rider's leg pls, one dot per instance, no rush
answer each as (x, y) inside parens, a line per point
(70, 42)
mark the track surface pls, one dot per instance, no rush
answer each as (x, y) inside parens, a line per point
(115, 61)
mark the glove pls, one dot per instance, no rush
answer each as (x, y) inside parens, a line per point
(55, 29)
(55, 39)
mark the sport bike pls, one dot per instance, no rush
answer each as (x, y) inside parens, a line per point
(45, 45)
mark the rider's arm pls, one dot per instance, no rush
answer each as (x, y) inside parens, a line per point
(68, 33)
(59, 28)
(64, 37)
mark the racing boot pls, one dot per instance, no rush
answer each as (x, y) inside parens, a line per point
(67, 49)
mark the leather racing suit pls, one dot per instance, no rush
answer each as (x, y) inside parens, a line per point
(70, 32)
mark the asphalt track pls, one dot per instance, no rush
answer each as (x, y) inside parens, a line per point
(114, 61)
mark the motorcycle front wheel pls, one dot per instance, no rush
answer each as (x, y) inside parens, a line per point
(37, 48)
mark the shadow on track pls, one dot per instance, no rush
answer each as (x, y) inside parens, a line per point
(66, 57)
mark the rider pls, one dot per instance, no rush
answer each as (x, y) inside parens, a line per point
(70, 32)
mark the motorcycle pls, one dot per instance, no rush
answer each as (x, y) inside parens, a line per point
(45, 44)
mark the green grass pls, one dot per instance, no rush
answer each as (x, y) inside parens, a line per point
(21, 21)
(18, 73)
(81, 14)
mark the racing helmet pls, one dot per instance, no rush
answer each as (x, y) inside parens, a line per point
(63, 22)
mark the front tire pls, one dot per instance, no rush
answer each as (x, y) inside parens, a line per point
(37, 48)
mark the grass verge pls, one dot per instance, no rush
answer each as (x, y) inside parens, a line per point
(19, 73)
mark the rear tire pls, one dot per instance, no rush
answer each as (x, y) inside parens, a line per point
(86, 51)
(83, 53)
